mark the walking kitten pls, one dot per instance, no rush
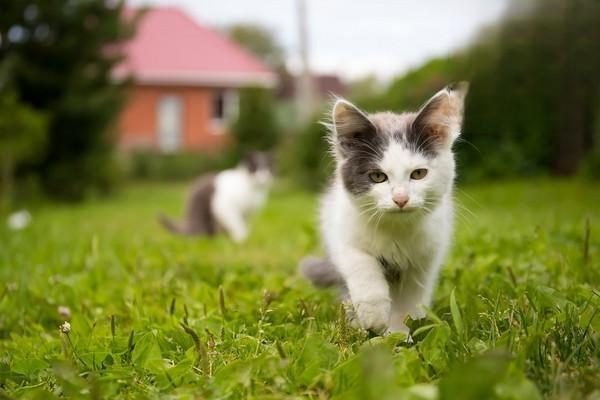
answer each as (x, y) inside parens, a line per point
(225, 201)
(386, 219)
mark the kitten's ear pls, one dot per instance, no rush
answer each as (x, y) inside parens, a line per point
(439, 120)
(350, 125)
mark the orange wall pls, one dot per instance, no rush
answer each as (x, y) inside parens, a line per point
(138, 120)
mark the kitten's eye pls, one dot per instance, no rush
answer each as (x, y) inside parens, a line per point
(377, 177)
(419, 173)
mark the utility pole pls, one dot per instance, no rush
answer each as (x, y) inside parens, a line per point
(305, 102)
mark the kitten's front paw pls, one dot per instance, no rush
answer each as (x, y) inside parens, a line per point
(373, 314)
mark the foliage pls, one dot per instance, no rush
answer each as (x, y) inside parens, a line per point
(516, 314)
(413, 88)
(64, 53)
(365, 87)
(305, 156)
(22, 137)
(260, 42)
(256, 126)
(175, 166)
(534, 104)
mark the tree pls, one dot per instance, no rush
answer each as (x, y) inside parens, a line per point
(64, 54)
(534, 102)
(260, 42)
(256, 126)
(542, 88)
(22, 137)
(366, 87)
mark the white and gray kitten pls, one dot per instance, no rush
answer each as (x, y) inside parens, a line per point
(225, 201)
(387, 218)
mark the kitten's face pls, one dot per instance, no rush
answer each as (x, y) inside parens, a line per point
(399, 163)
(260, 166)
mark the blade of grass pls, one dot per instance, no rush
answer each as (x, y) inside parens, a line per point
(456, 316)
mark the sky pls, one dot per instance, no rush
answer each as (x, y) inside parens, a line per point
(355, 38)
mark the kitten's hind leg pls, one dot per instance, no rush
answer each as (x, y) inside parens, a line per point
(320, 271)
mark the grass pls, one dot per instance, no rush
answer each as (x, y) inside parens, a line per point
(516, 314)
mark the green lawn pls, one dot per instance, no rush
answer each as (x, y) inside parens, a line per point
(516, 314)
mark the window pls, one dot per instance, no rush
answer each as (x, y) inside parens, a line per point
(224, 108)
(169, 114)
(219, 105)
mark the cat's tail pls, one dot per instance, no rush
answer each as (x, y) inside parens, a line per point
(320, 271)
(171, 225)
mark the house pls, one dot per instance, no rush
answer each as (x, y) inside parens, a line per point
(186, 80)
(323, 88)
(323, 85)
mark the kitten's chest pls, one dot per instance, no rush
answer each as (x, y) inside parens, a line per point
(237, 192)
(253, 199)
(402, 251)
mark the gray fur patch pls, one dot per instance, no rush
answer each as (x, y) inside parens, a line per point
(392, 272)
(199, 219)
(361, 144)
(362, 158)
(320, 271)
(258, 160)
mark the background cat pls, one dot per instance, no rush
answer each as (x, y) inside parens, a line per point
(386, 220)
(225, 201)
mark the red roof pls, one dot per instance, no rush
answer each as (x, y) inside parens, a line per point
(171, 48)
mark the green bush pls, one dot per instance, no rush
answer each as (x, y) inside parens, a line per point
(256, 126)
(591, 167)
(179, 166)
(65, 73)
(305, 157)
(22, 139)
(533, 106)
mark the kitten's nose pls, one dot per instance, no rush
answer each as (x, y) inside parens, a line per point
(400, 199)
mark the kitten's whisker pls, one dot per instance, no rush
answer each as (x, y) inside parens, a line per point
(371, 216)
(464, 212)
(464, 220)
(465, 193)
(464, 216)
(378, 221)
(367, 208)
(462, 139)
(457, 203)
(372, 210)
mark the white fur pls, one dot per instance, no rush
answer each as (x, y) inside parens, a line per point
(417, 243)
(358, 230)
(238, 195)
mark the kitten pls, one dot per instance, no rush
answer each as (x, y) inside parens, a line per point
(387, 218)
(225, 201)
